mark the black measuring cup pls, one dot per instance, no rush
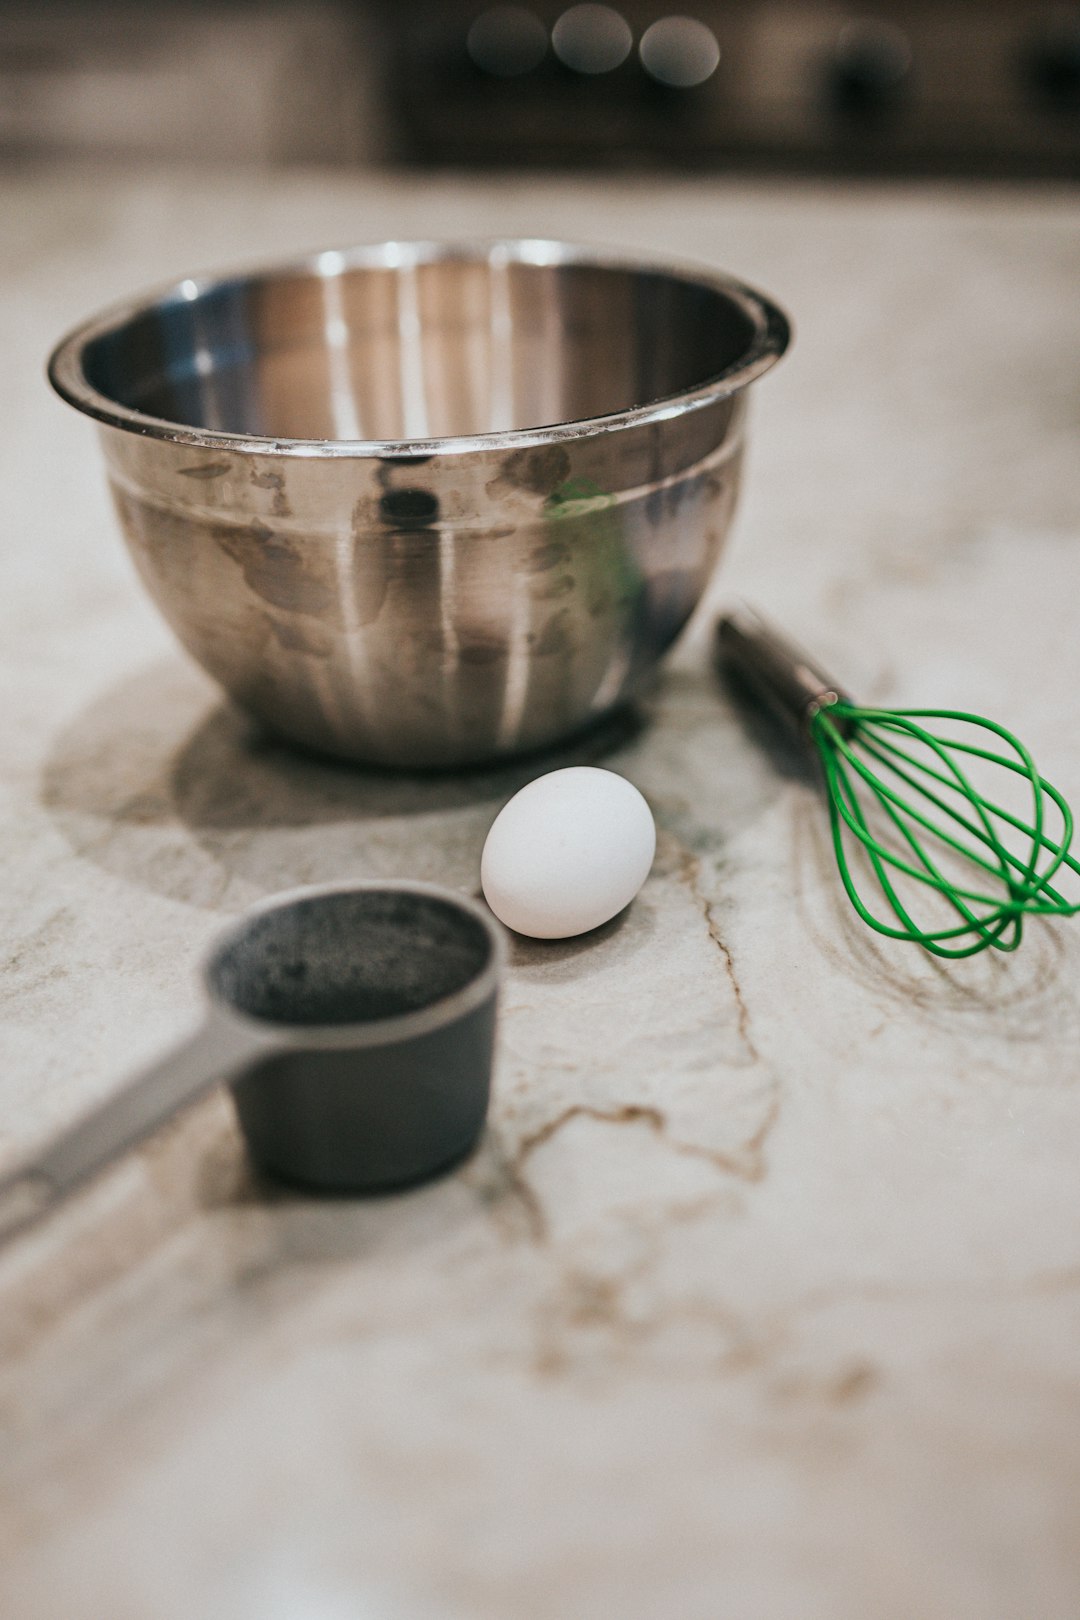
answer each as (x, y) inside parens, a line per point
(355, 1026)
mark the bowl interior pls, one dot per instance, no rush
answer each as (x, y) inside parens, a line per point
(444, 348)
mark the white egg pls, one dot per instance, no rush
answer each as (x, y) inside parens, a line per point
(567, 853)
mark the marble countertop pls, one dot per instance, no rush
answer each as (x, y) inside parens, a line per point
(762, 1297)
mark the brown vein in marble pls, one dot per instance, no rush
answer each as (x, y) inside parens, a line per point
(507, 1183)
(749, 1165)
(688, 871)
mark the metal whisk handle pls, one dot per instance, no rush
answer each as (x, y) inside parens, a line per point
(782, 677)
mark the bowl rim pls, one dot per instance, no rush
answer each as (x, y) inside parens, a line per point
(771, 336)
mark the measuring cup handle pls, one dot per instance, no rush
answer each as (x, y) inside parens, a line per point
(214, 1053)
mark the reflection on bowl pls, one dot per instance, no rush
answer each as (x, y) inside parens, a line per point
(426, 505)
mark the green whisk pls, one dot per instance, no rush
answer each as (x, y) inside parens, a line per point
(903, 803)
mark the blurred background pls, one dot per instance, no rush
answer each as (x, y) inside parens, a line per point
(957, 87)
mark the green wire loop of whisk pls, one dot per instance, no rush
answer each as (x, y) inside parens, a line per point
(877, 754)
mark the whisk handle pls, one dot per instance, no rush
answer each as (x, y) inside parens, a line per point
(773, 669)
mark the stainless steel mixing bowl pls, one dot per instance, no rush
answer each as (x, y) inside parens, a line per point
(427, 505)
